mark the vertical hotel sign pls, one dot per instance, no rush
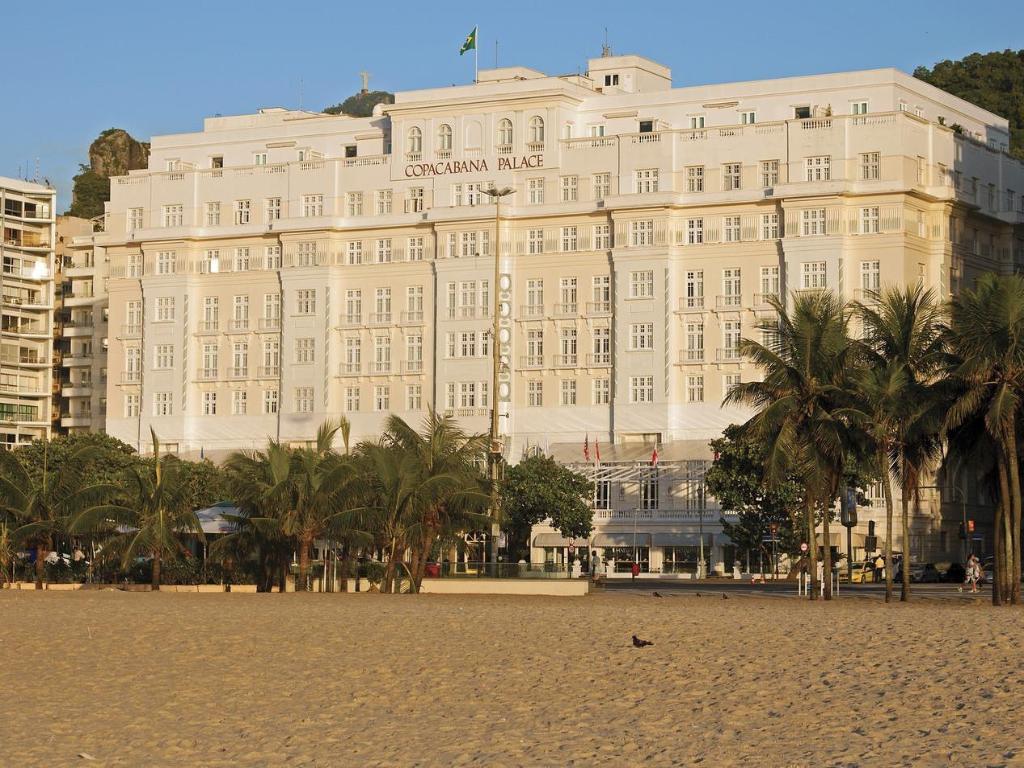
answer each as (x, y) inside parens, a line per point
(504, 338)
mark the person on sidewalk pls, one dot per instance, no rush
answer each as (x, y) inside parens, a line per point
(972, 574)
(879, 568)
(635, 570)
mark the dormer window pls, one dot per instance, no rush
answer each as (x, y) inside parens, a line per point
(611, 79)
(537, 129)
(444, 138)
(646, 126)
(505, 132)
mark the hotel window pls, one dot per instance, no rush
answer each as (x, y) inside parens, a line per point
(133, 316)
(270, 401)
(240, 359)
(870, 275)
(162, 404)
(136, 218)
(354, 252)
(536, 130)
(858, 107)
(641, 336)
(695, 389)
(769, 226)
(382, 201)
(413, 397)
(611, 80)
(602, 237)
(748, 117)
(351, 398)
(209, 403)
(132, 362)
(305, 254)
(164, 309)
(383, 304)
(568, 391)
(696, 122)
(444, 138)
(272, 257)
(212, 214)
(641, 389)
(382, 250)
(211, 313)
(134, 265)
(271, 209)
(731, 339)
(602, 340)
(570, 238)
(813, 221)
(505, 132)
(414, 200)
(173, 215)
(259, 158)
(382, 398)
(695, 178)
(535, 191)
(601, 392)
(596, 131)
(305, 350)
(769, 173)
(695, 289)
(568, 341)
(166, 263)
(731, 176)
(305, 301)
(641, 284)
(468, 244)
(770, 282)
(535, 394)
(243, 211)
(240, 313)
(602, 292)
(642, 232)
(568, 287)
(271, 357)
(238, 402)
(303, 399)
(602, 185)
(818, 168)
(353, 355)
(131, 406)
(353, 203)
(694, 342)
(869, 224)
(870, 165)
(570, 188)
(535, 348)
(535, 241)
(163, 357)
(694, 231)
(241, 260)
(415, 141)
(731, 287)
(729, 381)
(414, 302)
(812, 275)
(647, 180)
(467, 344)
(414, 351)
(731, 229)
(312, 205)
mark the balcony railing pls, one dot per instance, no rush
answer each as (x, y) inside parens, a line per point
(351, 319)
(269, 371)
(412, 366)
(763, 300)
(566, 361)
(350, 369)
(270, 323)
(728, 355)
(599, 359)
(535, 146)
(238, 372)
(240, 324)
(691, 302)
(206, 374)
(412, 318)
(566, 309)
(599, 308)
(380, 318)
(208, 326)
(131, 329)
(691, 356)
(381, 366)
(131, 377)
(531, 310)
(732, 301)
(531, 361)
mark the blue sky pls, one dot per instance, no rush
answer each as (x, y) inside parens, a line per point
(77, 68)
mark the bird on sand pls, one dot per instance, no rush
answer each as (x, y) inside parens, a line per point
(658, 594)
(638, 643)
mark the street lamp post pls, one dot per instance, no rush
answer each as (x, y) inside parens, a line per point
(494, 449)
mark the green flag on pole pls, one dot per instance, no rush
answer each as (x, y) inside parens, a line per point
(470, 44)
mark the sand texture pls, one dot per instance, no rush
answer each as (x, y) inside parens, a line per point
(368, 680)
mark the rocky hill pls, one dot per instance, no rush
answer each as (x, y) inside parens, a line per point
(113, 153)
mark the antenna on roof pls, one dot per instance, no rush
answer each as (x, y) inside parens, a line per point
(366, 81)
(300, 94)
(606, 50)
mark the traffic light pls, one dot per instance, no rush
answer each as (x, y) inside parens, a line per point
(970, 526)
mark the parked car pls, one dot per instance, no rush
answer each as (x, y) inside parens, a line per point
(921, 573)
(953, 573)
(861, 574)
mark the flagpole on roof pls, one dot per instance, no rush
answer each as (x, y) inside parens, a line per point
(476, 54)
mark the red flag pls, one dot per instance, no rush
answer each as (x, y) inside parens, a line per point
(586, 448)
(597, 448)
(654, 457)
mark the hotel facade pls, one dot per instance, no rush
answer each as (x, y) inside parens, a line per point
(277, 269)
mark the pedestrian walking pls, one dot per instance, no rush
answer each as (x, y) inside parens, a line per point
(879, 568)
(635, 570)
(972, 574)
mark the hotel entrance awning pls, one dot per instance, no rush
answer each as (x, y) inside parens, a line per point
(556, 540)
(622, 540)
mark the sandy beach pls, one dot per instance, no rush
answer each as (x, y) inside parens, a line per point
(367, 680)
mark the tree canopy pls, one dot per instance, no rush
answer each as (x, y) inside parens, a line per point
(361, 104)
(538, 488)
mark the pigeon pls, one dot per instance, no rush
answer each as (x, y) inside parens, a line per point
(638, 643)
(656, 594)
(725, 596)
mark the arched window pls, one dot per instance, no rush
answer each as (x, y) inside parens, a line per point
(444, 137)
(505, 132)
(537, 129)
(415, 140)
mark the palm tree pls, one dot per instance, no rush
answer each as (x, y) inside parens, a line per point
(41, 504)
(903, 346)
(452, 494)
(987, 335)
(155, 520)
(804, 361)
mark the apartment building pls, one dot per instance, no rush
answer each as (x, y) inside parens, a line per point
(26, 310)
(80, 329)
(280, 268)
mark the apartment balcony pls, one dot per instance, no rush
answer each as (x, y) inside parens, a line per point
(34, 300)
(599, 360)
(728, 355)
(535, 146)
(380, 367)
(30, 214)
(27, 243)
(531, 311)
(531, 361)
(566, 361)
(380, 318)
(240, 325)
(76, 419)
(599, 308)
(350, 320)
(443, 154)
(76, 359)
(76, 390)
(731, 302)
(207, 374)
(131, 377)
(412, 366)
(27, 330)
(691, 304)
(569, 309)
(689, 356)
(270, 323)
(466, 412)
(467, 313)
(692, 515)
(79, 297)
(77, 329)
(25, 390)
(351, 369)
(79, 270)
(37, 272)
(412, 318)
(762, 301)
(268, 371)
(131, 331)
(207, 327)
(504, 149)
(238, 372)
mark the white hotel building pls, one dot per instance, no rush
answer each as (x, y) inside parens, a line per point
(280, 268)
